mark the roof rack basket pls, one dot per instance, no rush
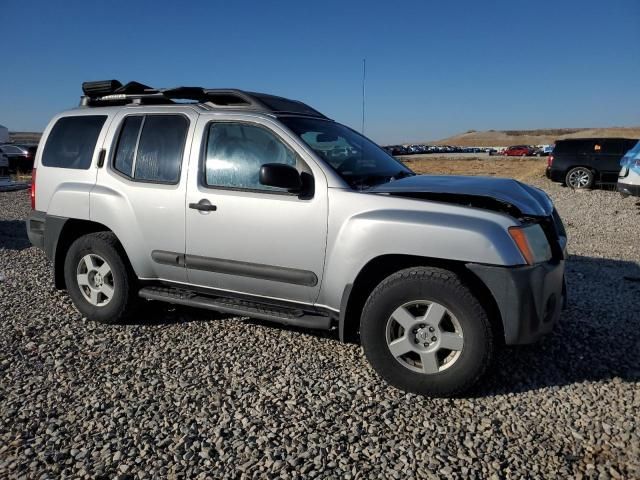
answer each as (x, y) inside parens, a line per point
(112, 92)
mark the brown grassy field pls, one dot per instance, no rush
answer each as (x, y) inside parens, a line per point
(490, 138)
(25, 137)
(494, 166)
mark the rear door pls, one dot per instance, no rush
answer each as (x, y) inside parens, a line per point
(606, 157)
(140, 192)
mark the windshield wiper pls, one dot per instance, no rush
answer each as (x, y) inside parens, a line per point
(403, 174)
(364, 182)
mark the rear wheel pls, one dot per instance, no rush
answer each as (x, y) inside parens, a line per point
(423, 331)
(579, 177)
(97, 278)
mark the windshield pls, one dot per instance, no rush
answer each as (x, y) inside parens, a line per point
(359, 161)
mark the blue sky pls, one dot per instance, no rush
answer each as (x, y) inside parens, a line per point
(433, 68)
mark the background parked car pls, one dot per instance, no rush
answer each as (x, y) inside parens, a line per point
(543, 151)
(518, 151)
(581, 163)
(396, 149)
(20, 157)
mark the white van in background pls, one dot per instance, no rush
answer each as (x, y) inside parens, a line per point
(629, 176)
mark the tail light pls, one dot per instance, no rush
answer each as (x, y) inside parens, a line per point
(32, 191)
(550, 161)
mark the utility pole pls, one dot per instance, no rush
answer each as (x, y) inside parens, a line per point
(364, 76)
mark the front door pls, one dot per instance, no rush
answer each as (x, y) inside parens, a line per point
(253, 239)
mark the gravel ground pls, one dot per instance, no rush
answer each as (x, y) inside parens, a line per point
(185, 393)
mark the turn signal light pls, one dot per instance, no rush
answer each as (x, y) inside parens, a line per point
(520, 237)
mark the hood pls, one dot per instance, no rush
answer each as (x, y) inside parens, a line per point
(504, 193)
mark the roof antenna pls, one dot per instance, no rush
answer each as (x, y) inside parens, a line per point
(364, 76)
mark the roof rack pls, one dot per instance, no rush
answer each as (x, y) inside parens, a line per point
(112, 92)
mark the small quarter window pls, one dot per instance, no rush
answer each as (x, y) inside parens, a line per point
(72, 142)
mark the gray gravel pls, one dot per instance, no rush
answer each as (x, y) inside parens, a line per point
(185, 393)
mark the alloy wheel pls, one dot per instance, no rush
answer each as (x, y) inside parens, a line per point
(424, 336)
(95, 279)
(579, 178)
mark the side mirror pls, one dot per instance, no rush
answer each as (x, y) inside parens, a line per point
(281, 176)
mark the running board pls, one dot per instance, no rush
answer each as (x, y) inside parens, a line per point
(235, 306)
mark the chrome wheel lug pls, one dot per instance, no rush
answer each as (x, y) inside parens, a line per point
(431, 329)
(433, 339)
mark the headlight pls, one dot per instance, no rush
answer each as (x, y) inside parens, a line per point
(532, 243)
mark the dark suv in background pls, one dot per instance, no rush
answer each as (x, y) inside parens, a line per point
(583, 162)
(20, 157)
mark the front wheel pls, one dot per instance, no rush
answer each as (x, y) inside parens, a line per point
(97, 278)
(423, 331)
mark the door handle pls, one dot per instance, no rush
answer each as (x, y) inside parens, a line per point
(203, 205)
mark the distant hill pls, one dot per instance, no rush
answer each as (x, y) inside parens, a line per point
(25, 137)
(490, 138)
(474, 138)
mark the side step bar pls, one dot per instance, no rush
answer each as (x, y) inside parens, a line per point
(235, 306)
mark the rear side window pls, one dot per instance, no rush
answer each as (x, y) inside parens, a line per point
(10, 149)
(574, 147)
(72, 142)
(150, 147)
(608, 147)
(629, 145)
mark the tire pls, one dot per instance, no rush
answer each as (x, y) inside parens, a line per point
(579, 177)
(86, 258)
(441, 289)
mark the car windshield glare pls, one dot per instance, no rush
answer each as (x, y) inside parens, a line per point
(359, 161)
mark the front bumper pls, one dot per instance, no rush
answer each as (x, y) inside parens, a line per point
(530, 298)
(627, 189)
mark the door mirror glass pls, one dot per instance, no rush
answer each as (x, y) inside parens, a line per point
(280, 175)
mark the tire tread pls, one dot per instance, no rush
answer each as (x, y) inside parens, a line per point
(452, 281)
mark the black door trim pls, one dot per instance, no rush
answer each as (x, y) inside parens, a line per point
(234, 267)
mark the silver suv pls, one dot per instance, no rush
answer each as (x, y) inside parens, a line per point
(260, 206)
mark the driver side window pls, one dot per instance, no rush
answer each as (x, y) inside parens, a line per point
(236, 151)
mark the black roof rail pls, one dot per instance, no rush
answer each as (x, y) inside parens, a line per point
(112, 92)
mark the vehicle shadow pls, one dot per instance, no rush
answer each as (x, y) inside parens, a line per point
(153, 313)
(13, 235)
(596, 339)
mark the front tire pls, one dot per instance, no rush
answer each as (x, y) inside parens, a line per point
(423, 331)
(97, 278)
